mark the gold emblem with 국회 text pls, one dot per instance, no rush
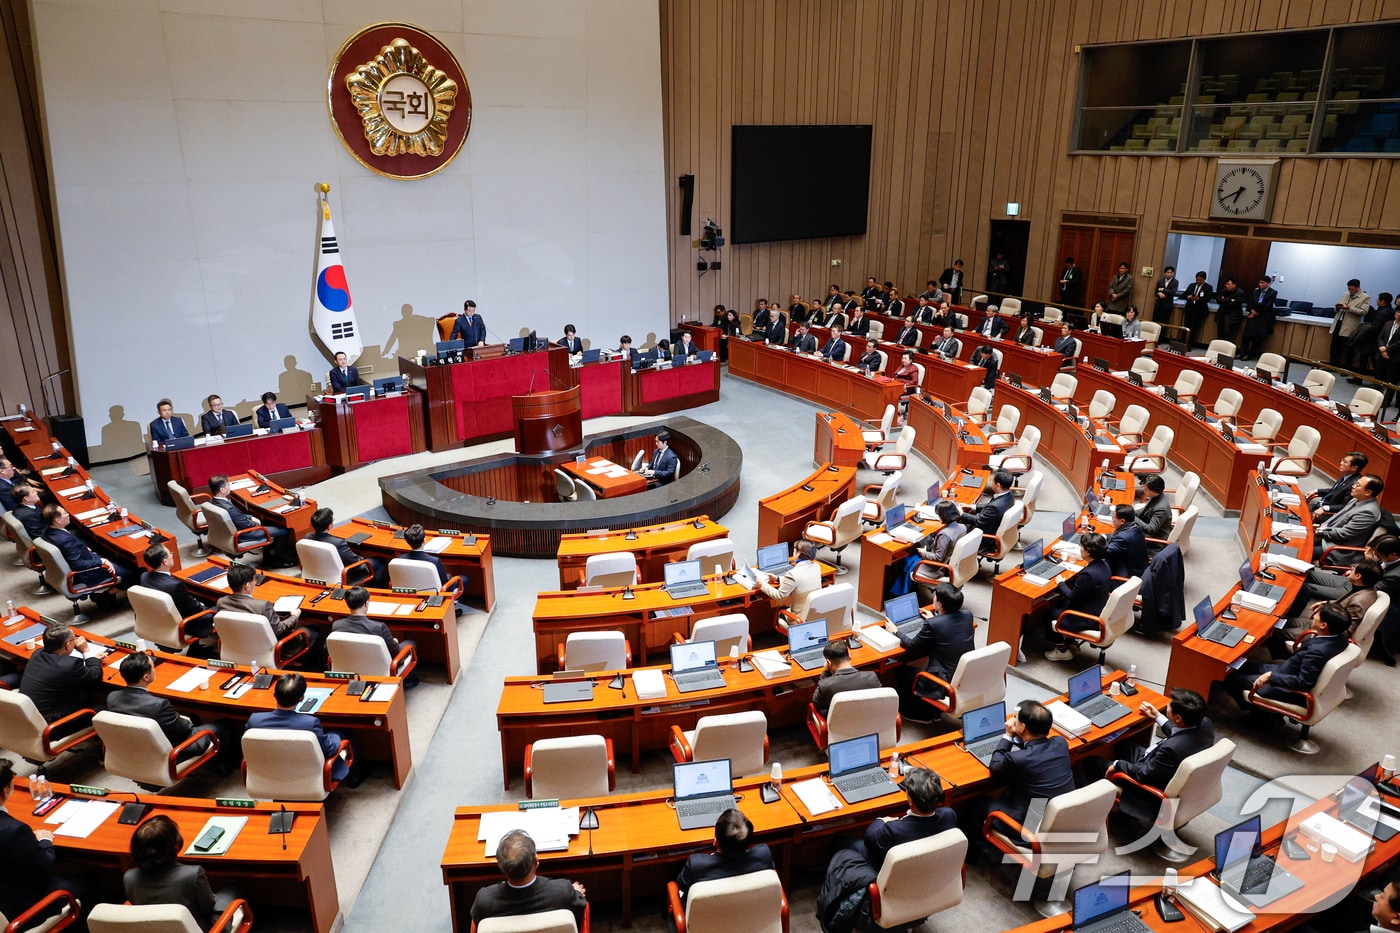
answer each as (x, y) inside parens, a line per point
(403, 101)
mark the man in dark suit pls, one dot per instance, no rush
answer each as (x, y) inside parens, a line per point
(288, 693)
(26, 858)
(357, 623)
(1164, 295)
(1127, 548)
(802, 341)
(1258, 318)
(664, 462)
(1072, 284)
(414, 536)
(762, 315)
(523, 891)
(469, 327)
(988, 518)
(135, 699)
(82, 560)
(242, 580)
(908, 335)
(571, 340)
(860, 323)
(1284, 680)
(1154, 516)
(1329, 499)
(7, 482)
(1229, 310)
(1086, 592)
(160, 562)
(27, 509)
(776, 331)
(838, 676)
(343, 375)
(732, 856)
(836, 348)
(375, 575)
(948, 346)
(1065, 345)
(282, 548)
(943, 638)
(1030, 763)
(951, 281)
(993, 325)
(1186, 730)
(59, 677)
(1197, 306)
(166, 427)
(217, 419)
(1353, 524)
(271, 410)
(685, 348)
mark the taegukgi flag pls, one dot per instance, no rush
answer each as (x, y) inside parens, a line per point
(332, 311)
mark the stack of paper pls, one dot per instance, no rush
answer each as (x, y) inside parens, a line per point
(549, 827)
(80, 818)
(1249, 447)
(1288, 531)
(1068, 721)
(1256, 603)
(650, 684)
(770, 664)
(1287, 563)
(438, 544)
(816, 796)
(192, 679)
(1204, 901)
(879, 638)
(1351, 843)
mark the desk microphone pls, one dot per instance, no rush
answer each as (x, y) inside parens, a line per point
(705, 467)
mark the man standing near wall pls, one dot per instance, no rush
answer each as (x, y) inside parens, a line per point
(1350, 309)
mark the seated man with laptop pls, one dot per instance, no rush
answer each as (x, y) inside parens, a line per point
(838, 675)
(803, 578)
(943, 639)
(1284, 680)
(1186, 730)
(733, 854)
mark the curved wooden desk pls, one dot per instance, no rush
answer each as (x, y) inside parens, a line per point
(1063, 442)
(945, 434)
(838, 439)
(471, 561)
(654, 545)
(815, 380)
(296, 458)
(783, 515)
(547, 421)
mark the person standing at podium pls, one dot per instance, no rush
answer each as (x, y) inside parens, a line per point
(469, 327)
(217, 419)
(343, 375)
(166, 427)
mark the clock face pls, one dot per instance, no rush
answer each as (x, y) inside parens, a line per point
(1241, 191)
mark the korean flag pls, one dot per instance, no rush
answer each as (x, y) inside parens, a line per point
(332, 312)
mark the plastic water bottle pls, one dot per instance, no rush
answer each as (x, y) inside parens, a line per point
(9, 608)
(894, 766)
(36, 790)
(42, 780)
(1169, 881)
(1132, 675)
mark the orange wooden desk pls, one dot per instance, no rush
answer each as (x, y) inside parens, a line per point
(654, 545)
(783, 515)
(837, 440)
(944, 434)
(607, 487)
(274, 505)
(472, 561)
(380, 730)
(299, 877)
(363, 431)
(816, 380)
(434, 629)
(1064, 444)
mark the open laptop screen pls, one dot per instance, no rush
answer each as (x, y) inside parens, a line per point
(894, 516)
(1204, 613)
(1246, 575)
(1033, 553)
(806, 635)
(1068, 528)
(854, 754)
(984, 721)
(692, 656)
(1237, 844)
(702, 778)
(1101, 898)
(681, 572)
(773, 555)
(902, 608)
(1085, 684)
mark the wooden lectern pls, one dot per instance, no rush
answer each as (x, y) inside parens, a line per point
(547, 421)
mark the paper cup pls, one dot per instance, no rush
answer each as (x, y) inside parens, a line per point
(1388, 764)
(1329, 852)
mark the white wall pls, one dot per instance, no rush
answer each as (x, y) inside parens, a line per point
(185, 137)
(1319, 273)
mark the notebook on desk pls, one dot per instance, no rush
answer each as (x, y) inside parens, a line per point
(703, 790)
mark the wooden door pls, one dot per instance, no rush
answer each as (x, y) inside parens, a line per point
(1079, 243)
(1245, 259)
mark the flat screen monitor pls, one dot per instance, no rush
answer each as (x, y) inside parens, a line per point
(775, 169)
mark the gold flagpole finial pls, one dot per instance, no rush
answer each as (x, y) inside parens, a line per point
(322, 189)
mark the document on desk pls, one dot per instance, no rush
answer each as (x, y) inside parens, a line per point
(650, 683)
(231, 825)
(617, 472)
(244, 483)
(770, 664)
(1204, 900)
(438, 543)
(70, 491)
(880, 537)
(84, 821)
(192, 679)
(91, 514)
(378, 607)
(598, 470)
(549, 827)
(383, 692)
(53, 471)
(816, 796)
(878, 638)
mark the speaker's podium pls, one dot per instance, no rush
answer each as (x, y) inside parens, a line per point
(547, 421)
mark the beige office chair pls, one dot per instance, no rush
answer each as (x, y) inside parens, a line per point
(1018, 458)
(25, 555)
(407, 573)
(564, 486)
(638, 460)
(1180, 534)
(24, 732)
(570, 767)
(753, 903)
(835, 604)
(1364, 634)
(1188, 385)
(546, 921)
(1074, 826)
(368, 656)
(1272, 363)
(1052, 315)
(1146, 368)
(63, 905)
(1151, 335)
(288, 764)
(1029, 494)
(321, 563)
(919, 879)
(885, 497)
(1185, 492)
(854, 713)
(1311, 707)
(1153, 457)
(1102, 404)
(1218, 348)
(1011, 307)
(1004, 430)
(616, 569)
(889, 456)
(961, 566)
(188, 508)
(1132, 428)
(712, 554)
(246, 638)
(843, 528)
(1296, 458)
(728, 631)
(978, 680)
(1194, 789)
(1006, 538)
(740, 737)
(1109, 625)
(166, 918)
(1063, 387)
(979, 405)
(137, 750)
(63, 580)
(878, 434)
(595, 651)
(877, 333)
(1319, 383)
(1366, 403)
(1266, 427)
(584, 492)
(157, 620)
(1227, 404)
(227, 538)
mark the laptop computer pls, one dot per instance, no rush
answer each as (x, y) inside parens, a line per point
(806, 641)
(1037, 562)
(683, 580)
(1212, 629)
(694, 667)
(773, 558)
(568, 687)
(971, 481)
(1111, 329)
(1097, 507)
(238, 430)
(1256, 587)
(1087, 698)
(704, 356)
(982, 730)
(855, 769)
(1363, 808)
(26, 633)
(591, 356)
(903, 611)
(1069, 529)
(208, 573)
(1102, 907)
(897, 528)
(185, 443)
(703, 790)
(1245, 872)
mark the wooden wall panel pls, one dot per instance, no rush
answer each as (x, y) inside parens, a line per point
(971, 104)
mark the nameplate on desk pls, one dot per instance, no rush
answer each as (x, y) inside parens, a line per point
(340, 675)
(448, 531)
(88, 789)
(543, 803)
(221, 665)
(128, 645)
(239, 803)
(405, 589)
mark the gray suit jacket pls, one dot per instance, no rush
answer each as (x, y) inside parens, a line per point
(180, 884)
(1353, 525)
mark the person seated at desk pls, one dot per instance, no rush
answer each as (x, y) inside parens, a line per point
(1154, 515)
(820, 315)
(1385, 906)
(663, 351)
(160, 563)
(762, 316)
(1186, 730)
(940, 546)
(895, 306)
(625, 348)
(869, 361)
(27, 509)
(166, 427)
(271, 410)
(524, 891)
(836, 348)
(159, 878)
(1086, 592)
(985, 357)
(943, 638)
(1031, 764)
(839, 675)
(948, 346)
(1330, 499)
(664, 463)
(342, 376)
(27, 859)
(469, 327)
(795, 587)
(288, 693)
(774, 333)
(802, 341)
(282, 549)
(908, 335)
(357, 623)
(135, 699)
(859, 324)
(414, 536)
(993, 324)
(686, 348)
(718, 316)
(571, 340)
(1327, 586)
(1359, 593)
(1065, 346)
(217, 419)
(7, 482)
(1025, 333)
(798, 309)
(90, 569)
(1284, 680)
(1132, 327)
(733, 854)
(907, 373)
(1353, 524)
(321, 521)
(922, 312)
(242, 580)
(1127, 548)
(59, 676)
(988, 518)
(857, 863)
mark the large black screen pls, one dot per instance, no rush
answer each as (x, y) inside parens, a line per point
(798, 182)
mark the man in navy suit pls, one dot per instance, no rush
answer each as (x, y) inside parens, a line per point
(943, 639)
(1086, 592)
(664, 462)
(343, 375)
(469, 326)
(7, 482)
(1186, 730)
(271, 410)
(135, 699)
(732, 856)
(836, 347)
(988, 518)
(414, 536)
(776, 331)
(27, 858)
(289, 692)
(685, 348)
(159, 577)
(282, 551)
(217, 419)
(81, 559)
(27, 509)
(321, 522)
(1030, 763)
(802, 341)
(59, 677)
(1127, 548)
(1285, 680)
(1333, 498)
(571, 341)
(908, 335)
(993, 325)
(167, 427)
